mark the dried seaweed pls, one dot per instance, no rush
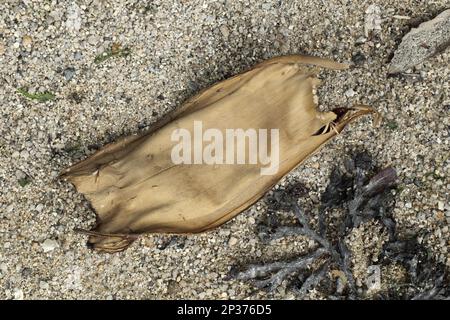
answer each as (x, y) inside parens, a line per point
(271, 275)
(426, 279)
(364, 200)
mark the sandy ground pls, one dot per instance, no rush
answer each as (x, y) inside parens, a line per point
(177, 48)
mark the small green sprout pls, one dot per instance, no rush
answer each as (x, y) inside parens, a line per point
(392, 125)
(23, 181)
(40, 97)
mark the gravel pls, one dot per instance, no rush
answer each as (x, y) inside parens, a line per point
(176, 49)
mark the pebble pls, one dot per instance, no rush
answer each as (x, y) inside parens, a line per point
(69, 73)
(25, 154)
(49, 245)
(27, 41)
(315, 165)
(3, 268)
(18, 294)
(225, 31)
(73, 22)
(77, 55)
(20, 175)
(93, 40)
(233, 241)
(358, 58)
(350, 93)
(43, 285)
(2, 48)
(361, 40)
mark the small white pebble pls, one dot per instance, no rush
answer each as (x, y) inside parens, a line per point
(224, 30)
(232, 242)
(350, 93)
(43, 285)
(27, 41)
(3, 268)
(49, 245)
(24, 154)
(18, 294)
